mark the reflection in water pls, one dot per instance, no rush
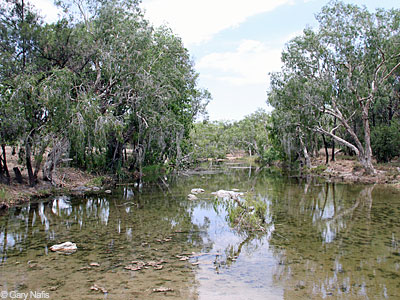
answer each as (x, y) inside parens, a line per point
(322, 240)
(338, 246)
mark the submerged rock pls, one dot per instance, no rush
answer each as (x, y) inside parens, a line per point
(162, 289)
(65, 248)
(94, 264)
(192, 197)
(96, 287)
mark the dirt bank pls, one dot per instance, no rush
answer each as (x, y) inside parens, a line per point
(66, 179)
(348, 169)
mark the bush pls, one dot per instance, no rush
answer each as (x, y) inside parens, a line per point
(385, 142)
(270, 156)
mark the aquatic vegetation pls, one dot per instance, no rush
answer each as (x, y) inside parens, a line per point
(244, 212)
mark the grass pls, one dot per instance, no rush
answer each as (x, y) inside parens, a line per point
(97, 181)
(153, 172)
(4, 195)
(318, 169)
(347, 157)
(357, 167)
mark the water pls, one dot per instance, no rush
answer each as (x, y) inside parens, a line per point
(323, 240)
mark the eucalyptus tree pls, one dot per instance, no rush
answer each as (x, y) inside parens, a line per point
(343, 67)
(218, 138)
(38, 73)
(252, 132)
(173, 100)
(213, 139)
(20, 77)
(96, 82)
(291, 95)
(138, 89)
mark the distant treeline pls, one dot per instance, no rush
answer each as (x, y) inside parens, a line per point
(252, 135)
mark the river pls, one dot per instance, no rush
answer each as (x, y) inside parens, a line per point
(322, 240)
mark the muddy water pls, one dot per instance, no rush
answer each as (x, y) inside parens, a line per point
(322, 241)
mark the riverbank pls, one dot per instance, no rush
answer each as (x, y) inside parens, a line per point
(68, 180)
(71, 180)
(349, 170)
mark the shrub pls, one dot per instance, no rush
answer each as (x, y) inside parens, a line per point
(385, 141)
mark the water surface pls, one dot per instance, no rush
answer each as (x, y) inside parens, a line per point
(322, 240)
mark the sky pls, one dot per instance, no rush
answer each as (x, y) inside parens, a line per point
(234, 44)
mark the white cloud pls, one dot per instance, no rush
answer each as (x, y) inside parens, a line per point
(47, 9)
(249, 63)
(196, 21)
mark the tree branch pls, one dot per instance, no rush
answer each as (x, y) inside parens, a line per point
(338, 139)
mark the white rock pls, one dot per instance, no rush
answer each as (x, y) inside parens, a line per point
(197, 191)
(192, 197)
(66, 248)
(227, 194)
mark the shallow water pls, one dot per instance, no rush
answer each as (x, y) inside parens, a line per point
(323, 240)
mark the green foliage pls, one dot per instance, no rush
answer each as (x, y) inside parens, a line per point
(217, 139)
(97, 181)
(246, 215)
(152, 173)
(212, 140)
(338, 80)
(101, 78)
(386, 142)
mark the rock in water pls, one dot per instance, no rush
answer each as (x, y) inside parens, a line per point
(65, 248)
(197, 191)
(227, 194)
(192, 197)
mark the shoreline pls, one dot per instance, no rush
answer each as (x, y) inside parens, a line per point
(70, 181)
(74, 181)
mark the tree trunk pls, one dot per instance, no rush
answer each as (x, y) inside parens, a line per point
(333, 140)
(53, 158)
(326, 149)
(114, 153)
(18, 175)
(2, 177)
(179, 137)
(39, 159)
(363, 152)
(32, 179)
(305, 152)
(3, 167)
(367, 159)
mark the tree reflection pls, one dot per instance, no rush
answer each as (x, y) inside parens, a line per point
(112, 230)
(328, 239)
(330, 245)
(321, 239)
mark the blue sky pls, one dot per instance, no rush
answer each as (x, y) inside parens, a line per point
(234, 44)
